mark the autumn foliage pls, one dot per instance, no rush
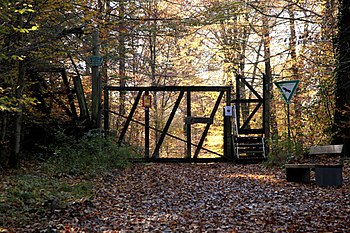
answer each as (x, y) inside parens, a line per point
(46, 63)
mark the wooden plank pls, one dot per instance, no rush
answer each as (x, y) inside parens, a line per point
(248, 140)
(251, 131)
(305, 165)
(243, 80)
(84, 111)
(228, 146)
(179, 160)
(251, 115)
(246, 101)
(241, 145)
(172, 88)
(69, 94)
(329, 149)
(195, 120)
(250, 150)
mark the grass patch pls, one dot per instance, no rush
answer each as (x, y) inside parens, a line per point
(26, 198)
(32, 195)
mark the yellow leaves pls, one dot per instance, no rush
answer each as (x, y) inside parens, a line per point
(23, 9)
(34, 28)
(19, 58)
(25, 30)
(27, 8)
(11, 104)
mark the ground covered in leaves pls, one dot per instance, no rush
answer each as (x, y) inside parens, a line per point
(221, 197)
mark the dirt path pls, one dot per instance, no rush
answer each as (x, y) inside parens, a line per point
(205, 198)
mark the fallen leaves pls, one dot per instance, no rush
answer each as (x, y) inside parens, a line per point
(221, 197)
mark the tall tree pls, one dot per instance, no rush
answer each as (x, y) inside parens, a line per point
(342, 112)
(13, 56)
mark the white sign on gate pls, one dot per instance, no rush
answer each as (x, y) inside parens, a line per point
(228, 111)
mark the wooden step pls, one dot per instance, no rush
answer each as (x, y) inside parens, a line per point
(248, 140)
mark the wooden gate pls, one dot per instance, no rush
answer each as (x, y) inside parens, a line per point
(253, 103)
(249, 117)
(183, 94)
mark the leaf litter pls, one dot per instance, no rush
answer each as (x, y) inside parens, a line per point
(222, 197)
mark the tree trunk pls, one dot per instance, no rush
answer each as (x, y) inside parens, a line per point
(269, 117)
(342, 93)
(122, 59)
(18, 116)
(14, 158)
(243, 36)
(96, 84)
(154, 81)
(295, 70)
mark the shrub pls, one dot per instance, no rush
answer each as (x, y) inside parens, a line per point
(283, 150)
(93, 154)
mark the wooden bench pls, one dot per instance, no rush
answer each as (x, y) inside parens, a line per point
(326, 174)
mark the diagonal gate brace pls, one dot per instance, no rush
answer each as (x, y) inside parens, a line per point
(167, 125)
(129, 119)
(206, 130)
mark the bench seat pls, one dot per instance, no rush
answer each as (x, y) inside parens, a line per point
(325, 174)
(303, 165)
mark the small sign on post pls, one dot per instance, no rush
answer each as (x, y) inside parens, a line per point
(287, 89)
(146, 101)
(95, 60)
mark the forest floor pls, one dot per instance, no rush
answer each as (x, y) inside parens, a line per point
(222, 197)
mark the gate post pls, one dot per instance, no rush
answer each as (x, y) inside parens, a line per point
(227, 138)
(188, 127)
(106, 110)
(228, 129)
(146, 130)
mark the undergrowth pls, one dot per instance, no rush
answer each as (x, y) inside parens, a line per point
(94, 154)
(29, 197)
(282, 150)
(33, 193)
